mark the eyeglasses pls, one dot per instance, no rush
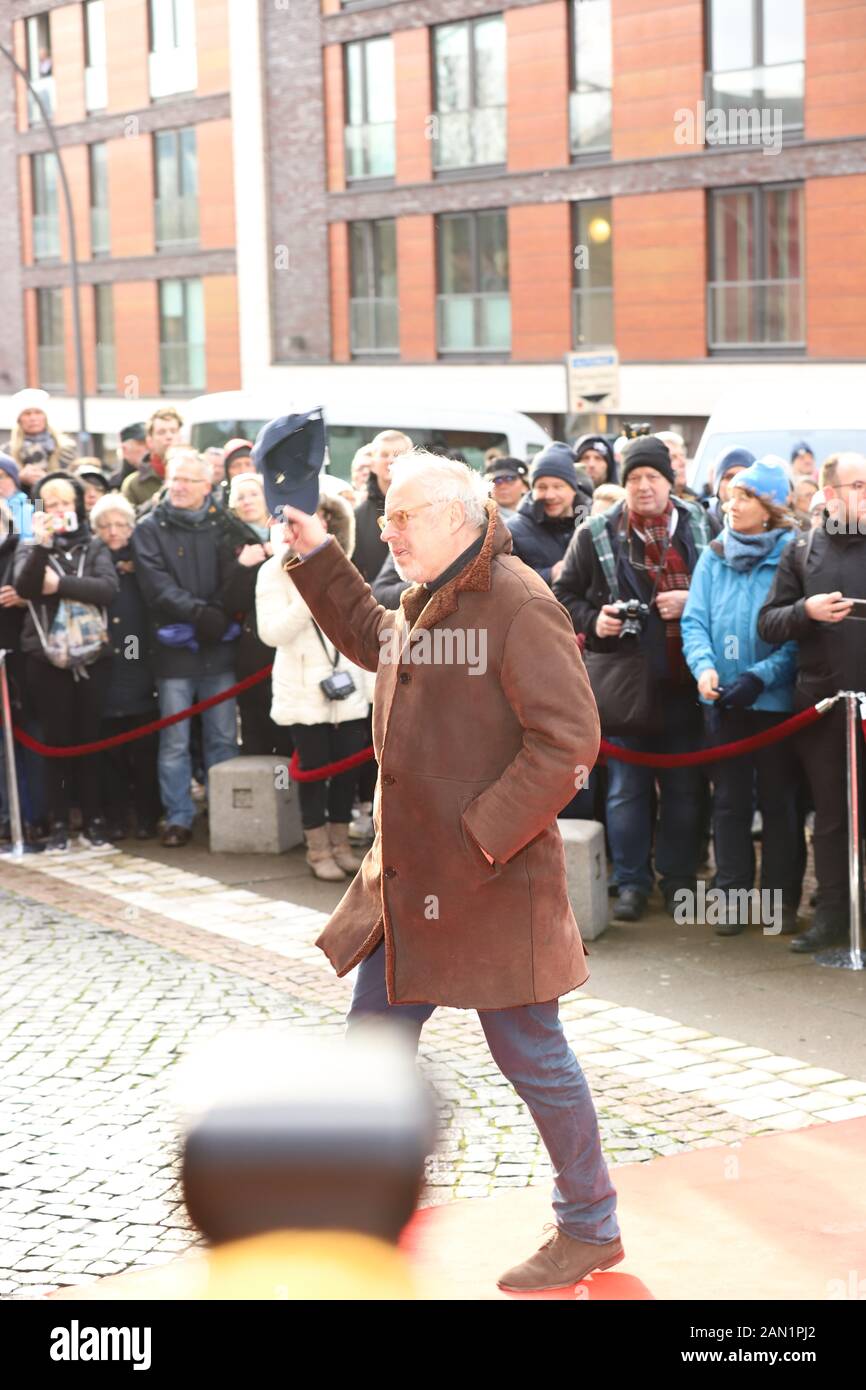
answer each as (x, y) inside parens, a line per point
(508, 478)
(859, 486)
(400, 518)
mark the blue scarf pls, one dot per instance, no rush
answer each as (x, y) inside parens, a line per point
(744, 552)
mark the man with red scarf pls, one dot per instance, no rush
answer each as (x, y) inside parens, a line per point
(650, 543)
(161, 433)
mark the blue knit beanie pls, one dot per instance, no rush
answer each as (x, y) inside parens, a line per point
(10, 467)
(735, 457)
(768, 479)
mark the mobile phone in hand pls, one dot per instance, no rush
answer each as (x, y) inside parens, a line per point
(858, 609)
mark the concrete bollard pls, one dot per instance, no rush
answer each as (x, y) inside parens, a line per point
(253, 806)
(586, 872)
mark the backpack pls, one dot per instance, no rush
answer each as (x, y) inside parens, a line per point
(78, 634)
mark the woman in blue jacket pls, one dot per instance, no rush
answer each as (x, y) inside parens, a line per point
(746, 686)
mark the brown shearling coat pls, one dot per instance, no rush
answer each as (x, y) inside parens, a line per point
(464, 760)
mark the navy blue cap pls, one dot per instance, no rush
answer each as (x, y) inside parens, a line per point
(289, 453)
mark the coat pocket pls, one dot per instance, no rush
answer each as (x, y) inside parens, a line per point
(473, 848)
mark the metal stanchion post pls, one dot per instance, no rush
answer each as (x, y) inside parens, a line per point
(851, 957)
(17, 851)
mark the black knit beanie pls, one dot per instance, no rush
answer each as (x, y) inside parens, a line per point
(648, 452)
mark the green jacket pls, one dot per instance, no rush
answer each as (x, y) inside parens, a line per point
(139, 487)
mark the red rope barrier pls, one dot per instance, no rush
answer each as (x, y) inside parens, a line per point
(78, 750)
(319, 774)
(724, 750)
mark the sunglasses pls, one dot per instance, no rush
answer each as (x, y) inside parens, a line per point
(400, 518)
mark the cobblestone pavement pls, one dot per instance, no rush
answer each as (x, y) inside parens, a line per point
(114, 967)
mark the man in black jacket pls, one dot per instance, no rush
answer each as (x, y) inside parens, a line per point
(653, 541)
(544, 523)
(809, 603)
(181, 566)
(369, 553)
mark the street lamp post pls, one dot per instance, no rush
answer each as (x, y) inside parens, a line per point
(85, 445)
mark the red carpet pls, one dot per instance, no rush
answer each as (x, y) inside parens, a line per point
(782, 1216)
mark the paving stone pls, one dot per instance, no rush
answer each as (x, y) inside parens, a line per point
(758, 1108)
(844, 1112)
(109, 996)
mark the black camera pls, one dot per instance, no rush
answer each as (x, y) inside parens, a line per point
(338, 686)
(633, 615)
(637, 430)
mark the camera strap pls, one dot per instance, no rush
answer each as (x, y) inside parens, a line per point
(333, 659)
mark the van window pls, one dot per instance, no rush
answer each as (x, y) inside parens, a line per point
(216, 433)
(781, 442)
(345, 440)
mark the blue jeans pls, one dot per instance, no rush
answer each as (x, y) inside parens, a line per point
(682, 796)
(529, 1047)
(219, 731)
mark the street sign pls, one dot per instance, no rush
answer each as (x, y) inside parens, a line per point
(592, 381)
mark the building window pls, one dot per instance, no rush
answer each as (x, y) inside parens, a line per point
(39, 66)
(100, 243)
(95, 69)
(469, 94)
(176, 200)
(370, 109)
(473, 308)
(103, 314)
(46, 215)
(592, 259)
(373, 275)
(181, 335)
(589, 108)
(757, 290)
(756, 69)
(172, 62)
(50, 349)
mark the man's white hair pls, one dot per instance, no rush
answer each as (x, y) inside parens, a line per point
(851, 457)
(188, 457)
(443, 480)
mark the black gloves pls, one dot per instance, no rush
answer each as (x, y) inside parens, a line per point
(211, 623)
(741, 693)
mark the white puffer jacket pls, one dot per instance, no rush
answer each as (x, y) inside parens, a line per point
(285, 622)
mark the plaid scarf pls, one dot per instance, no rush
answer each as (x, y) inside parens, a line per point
(667, 570)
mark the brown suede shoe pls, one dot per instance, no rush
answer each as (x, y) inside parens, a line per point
(561, 1262)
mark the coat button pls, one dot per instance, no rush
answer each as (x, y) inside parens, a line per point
(390, 872)
(405, 678)
(388, 779)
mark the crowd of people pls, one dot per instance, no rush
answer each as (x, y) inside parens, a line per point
(129, 593)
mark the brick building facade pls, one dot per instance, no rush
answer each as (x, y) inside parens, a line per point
(439, 199)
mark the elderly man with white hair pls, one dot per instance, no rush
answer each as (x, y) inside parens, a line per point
(483, 725)
(811, 603)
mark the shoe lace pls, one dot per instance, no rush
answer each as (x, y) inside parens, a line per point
(551, 1226)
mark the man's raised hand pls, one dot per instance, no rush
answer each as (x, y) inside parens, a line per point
(302, 531)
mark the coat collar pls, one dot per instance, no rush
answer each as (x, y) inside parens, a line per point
(423, 610)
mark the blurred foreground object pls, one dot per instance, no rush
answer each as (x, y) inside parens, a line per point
(303, 1162)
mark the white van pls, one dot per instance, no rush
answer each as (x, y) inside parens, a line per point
(225, 415)
(772, 420)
